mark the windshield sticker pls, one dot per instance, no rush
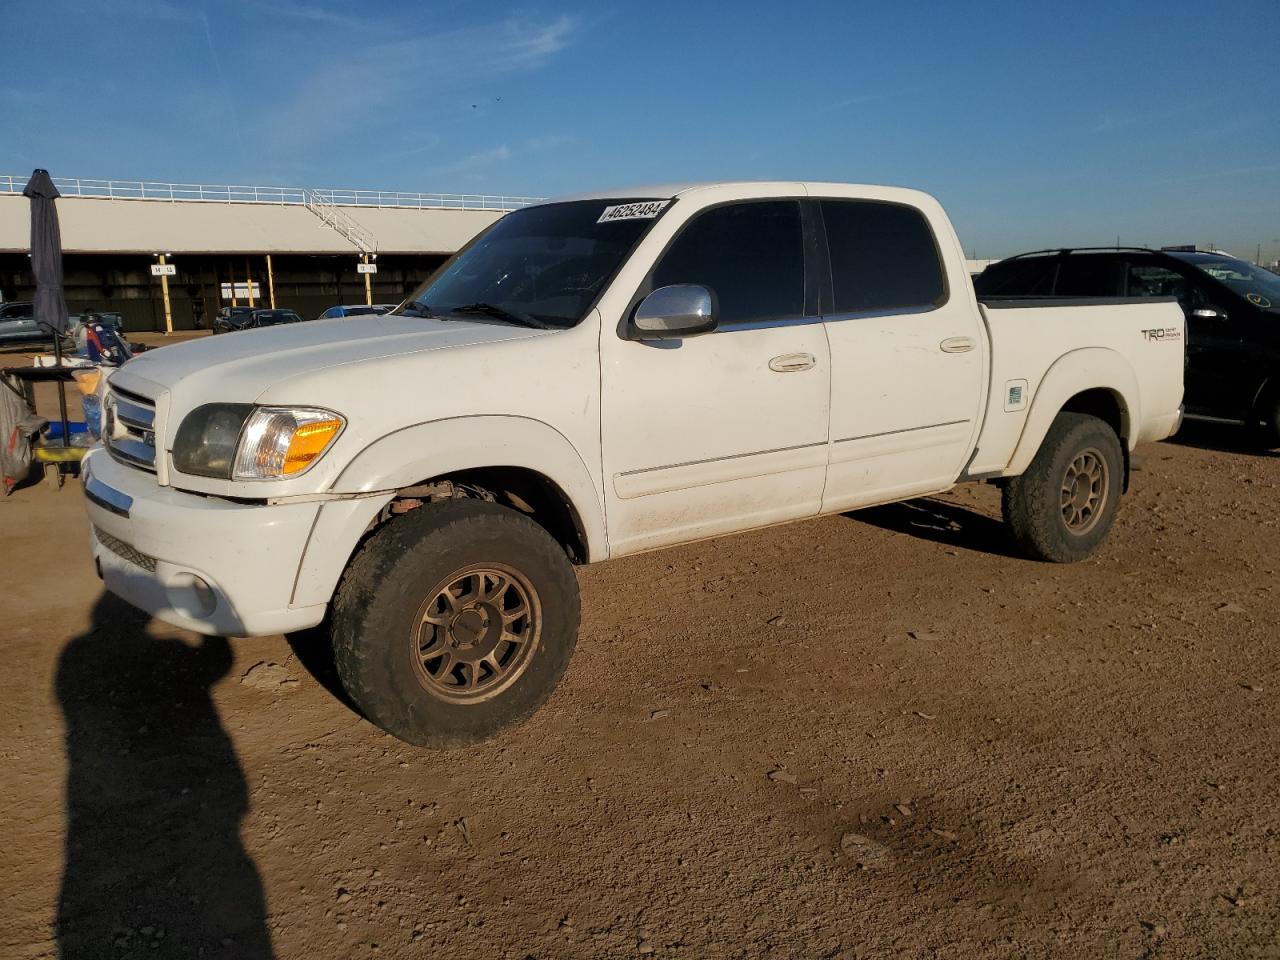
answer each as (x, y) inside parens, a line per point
(1258, 300)
(633, 211)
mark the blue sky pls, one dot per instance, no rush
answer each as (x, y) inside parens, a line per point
(1035, 123)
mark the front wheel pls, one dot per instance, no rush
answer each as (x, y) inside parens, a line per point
(1062, 507)
(454, 621)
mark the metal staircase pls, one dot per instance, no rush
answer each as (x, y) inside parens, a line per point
(328, 211)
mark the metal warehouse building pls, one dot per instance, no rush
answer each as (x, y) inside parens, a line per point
(295, 248)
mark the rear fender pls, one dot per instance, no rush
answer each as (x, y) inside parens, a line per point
(1090, 368)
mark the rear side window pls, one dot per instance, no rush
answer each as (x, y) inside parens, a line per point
(883, 257)
(750, 254)
(1088, 275)
(1029, 277)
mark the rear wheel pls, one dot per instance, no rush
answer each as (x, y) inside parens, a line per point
(1062, 507)
(454, 621)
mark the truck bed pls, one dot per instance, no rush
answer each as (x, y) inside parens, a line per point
(1138, 342)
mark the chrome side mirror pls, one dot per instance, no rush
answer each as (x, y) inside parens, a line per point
(669, 313)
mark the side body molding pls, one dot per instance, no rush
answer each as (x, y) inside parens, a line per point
(1090, 368)
(426, 450)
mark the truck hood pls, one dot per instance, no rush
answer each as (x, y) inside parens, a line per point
(240, 367)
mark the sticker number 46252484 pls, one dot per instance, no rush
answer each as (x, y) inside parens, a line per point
(645, 210)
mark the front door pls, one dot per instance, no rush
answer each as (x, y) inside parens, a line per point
(727, 430)
(909, 354)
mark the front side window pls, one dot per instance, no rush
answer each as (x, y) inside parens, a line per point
(1153, 280)
(544, 264)
(751, 255)
(883, 257)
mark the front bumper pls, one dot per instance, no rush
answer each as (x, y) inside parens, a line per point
(201, 563)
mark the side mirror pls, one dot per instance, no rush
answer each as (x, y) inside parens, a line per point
(1209, 313)
(669, 313)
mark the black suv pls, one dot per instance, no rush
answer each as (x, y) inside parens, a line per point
(1232, 310)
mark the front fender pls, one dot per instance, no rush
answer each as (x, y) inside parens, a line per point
(425, 450)
(430, 449)
(1090, 368)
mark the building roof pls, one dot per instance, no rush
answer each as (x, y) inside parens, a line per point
(102, 225)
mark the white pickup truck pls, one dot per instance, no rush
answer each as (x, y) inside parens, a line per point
(589, 378)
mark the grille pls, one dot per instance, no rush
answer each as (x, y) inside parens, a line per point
(124, 551)
(129, 428)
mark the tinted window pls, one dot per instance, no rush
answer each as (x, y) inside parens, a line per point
(883, 257)
(1153, 280)
(1089, 275)
(1027, 277)
(750, 254)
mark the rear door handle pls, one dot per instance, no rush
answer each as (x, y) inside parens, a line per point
(957, 344)
(792, 362)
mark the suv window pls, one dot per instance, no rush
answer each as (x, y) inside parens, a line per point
(1090, 275)
(750, 254)
(1153, 280)
(1023, 277)
(883, 257)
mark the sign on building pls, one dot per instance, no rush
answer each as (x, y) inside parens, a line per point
(366, 268)
(164, 269)
(241, 291)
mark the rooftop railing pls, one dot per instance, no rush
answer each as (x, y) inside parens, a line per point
(229, 193)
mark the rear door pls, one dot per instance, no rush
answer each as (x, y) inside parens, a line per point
(906, 357)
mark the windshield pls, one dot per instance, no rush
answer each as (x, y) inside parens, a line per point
(548, 262)
(1260, 287)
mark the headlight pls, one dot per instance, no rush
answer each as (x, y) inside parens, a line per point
(282, 441)
(242, 442)
(207, 440)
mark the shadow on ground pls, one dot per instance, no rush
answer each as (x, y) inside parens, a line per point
(1220, 438)
(155, 795)
(314, 650)
(940, 522)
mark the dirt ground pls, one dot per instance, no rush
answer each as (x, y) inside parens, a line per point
(875, 735)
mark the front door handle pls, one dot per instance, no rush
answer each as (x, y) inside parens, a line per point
(792, 362)
(957, 344)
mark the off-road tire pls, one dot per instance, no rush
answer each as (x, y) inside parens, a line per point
(378, 603)
(1033, 502)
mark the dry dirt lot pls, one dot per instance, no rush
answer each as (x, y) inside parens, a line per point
(869, 736)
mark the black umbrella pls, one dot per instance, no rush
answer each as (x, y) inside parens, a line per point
(46, 253)
(50, 307)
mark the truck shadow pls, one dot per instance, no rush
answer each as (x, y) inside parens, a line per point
(1219, 438)
(940, 522)
(155, 796)
(314, 650)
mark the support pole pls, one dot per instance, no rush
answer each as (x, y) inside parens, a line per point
(368, 285)
(168, 311)
(271, 283)
(248, 282)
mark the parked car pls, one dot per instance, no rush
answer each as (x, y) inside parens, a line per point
(272, 318)
(1232, 311)
(591, 378)
(17, 323)
(230, 319)
(356, 310)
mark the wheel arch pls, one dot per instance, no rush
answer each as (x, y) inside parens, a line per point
(1095, 381)
(523, 462)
